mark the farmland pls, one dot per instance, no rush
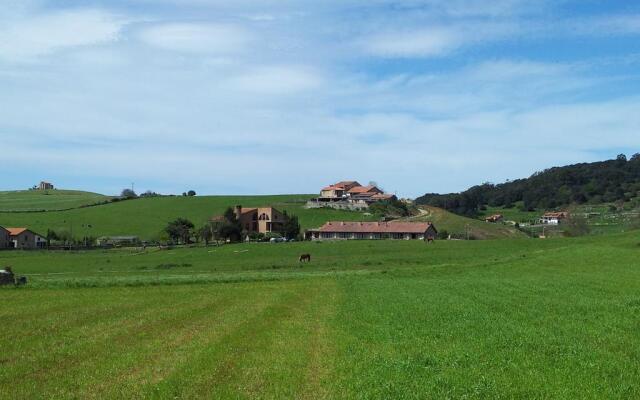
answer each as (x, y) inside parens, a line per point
(478, 319)
(48, 200)
(147, 217)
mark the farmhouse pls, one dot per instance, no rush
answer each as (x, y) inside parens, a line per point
(340, 230)
(553, 218)
(45, 186)
(349, 195)
(494, 218)
(4, 238)
(259, 219)
(23, 238)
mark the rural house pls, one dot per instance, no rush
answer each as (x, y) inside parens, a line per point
(494, 218)
(553, 218)
(340, 230)
(349, 195)
(45, 186)
(25, 239)
(259, 220)
(4, 238)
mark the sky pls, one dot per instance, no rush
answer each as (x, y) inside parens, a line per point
(283, 96)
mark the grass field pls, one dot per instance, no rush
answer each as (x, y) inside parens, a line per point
(493, 319)
(147, 217)
(47, 200)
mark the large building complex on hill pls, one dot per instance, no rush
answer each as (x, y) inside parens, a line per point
(349, 195)
(341, 230)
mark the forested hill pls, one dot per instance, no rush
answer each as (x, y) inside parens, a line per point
(597, 182)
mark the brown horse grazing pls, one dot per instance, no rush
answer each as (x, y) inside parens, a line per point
(430, 239)
(305, 258)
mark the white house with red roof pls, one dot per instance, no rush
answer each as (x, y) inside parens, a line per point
(26, 239)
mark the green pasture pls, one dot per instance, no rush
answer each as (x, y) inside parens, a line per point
(147, 217)
(520, 318)
(48, 200)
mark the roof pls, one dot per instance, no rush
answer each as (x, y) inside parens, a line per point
(333, 187)
(560, 214)
(376, 227)
(16, 231)
(363, 189)
(343, 184)
(383, 196)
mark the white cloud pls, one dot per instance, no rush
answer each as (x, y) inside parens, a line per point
(40, 35)
(275, 80)
(197, 37)
(418, 43)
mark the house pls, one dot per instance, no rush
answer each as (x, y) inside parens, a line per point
(118, 241)
(45, 186)
(341, 230)
(259, 219)
(494, 218)
(349, 195)
(23, 238)
(553, 218)
(4, 238)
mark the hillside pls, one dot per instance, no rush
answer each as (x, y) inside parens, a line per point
(587, 183)
(457, 225)
(48, 200)
(147, 217)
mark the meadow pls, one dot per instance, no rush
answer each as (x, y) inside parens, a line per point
(48, 200)
(147, 217)
(520, 318)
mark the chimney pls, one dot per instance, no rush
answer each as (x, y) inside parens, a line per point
(238, 211)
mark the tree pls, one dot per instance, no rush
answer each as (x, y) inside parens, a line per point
(191, 193)
(576, 225)
(291, 228)
(128, 194)
(206, 233)
(180, 230)
(229, 228)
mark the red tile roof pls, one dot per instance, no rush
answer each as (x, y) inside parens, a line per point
(364, 189)
(561, 214)
(343, 184)
(16, 231)
(376, 227)
(333, 187)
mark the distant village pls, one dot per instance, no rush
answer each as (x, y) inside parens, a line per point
(269, 223)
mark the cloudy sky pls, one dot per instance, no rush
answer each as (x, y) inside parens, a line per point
(282, 96)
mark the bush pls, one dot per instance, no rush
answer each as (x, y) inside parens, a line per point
(576, 225)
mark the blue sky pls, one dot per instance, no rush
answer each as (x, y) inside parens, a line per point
(279, 96)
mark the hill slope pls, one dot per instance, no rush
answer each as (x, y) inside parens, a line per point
(593, 183)
(147, 217)
(48, 200)
(457, 225)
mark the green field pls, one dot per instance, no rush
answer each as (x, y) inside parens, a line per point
(48, 200)
(147, 217)
(519, 318)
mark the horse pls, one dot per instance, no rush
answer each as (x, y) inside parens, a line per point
(430, 239)
(305, 258)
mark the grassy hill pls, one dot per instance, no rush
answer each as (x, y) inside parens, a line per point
(497, 319)
(147, 217)
(458, 225)
(48, 200)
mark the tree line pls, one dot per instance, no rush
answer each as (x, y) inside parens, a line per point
(598, 182)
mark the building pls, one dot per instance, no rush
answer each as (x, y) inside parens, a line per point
(118, 241)
(4, 238)
(45, 186)
(553, 218)
(349, 195)
(25, 239)
(341, 230)
(259, 219)
(494, 218)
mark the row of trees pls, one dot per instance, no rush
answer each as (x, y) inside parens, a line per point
(227, 228)
(606, 181)
(129, 194)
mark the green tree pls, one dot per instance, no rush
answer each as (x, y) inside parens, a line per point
(576, 225)
(128, 194)
(229, 228)
(206, 233)
(180, 230)
(291, 229)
